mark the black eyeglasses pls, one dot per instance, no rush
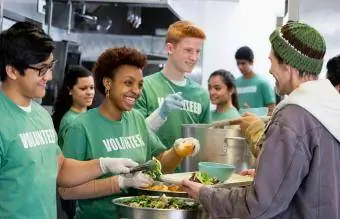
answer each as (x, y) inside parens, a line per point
(43, 70)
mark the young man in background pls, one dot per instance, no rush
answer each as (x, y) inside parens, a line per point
(169, 98)
(253, 90)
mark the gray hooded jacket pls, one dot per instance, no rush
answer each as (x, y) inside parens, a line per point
(298, 174)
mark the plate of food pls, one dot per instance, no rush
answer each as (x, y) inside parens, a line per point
(200, 177)
(160, 188)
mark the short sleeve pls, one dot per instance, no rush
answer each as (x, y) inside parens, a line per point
(75, 142)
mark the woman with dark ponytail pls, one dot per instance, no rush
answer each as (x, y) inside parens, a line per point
(75, 95)
(222, 90)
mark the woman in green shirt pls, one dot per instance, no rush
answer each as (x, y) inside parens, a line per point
(222, 90)
(117, 130)
(74, 97)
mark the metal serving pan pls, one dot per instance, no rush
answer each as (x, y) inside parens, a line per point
(128, 212)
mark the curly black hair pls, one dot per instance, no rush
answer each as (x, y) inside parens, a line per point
(111, 59)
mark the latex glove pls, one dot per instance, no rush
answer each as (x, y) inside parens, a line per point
(137, 180)
(187, 146)
(171, 102)
(116, 165)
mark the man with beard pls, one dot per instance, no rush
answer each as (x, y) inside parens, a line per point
(297, 175)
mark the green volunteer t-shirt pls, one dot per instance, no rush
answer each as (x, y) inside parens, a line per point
(196, 108)
(92, 136)
(231, 113)
(28, 162)
(65, 123)
(254, 92)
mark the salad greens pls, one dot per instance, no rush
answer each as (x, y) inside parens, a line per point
(155, 172)
(162, 202)
(204, 178)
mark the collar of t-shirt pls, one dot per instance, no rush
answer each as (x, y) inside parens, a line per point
(27, 109)
(180, 83)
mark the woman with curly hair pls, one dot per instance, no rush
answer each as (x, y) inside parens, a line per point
(74, 97)
(115, 129)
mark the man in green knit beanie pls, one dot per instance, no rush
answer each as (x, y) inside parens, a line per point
(297, 175)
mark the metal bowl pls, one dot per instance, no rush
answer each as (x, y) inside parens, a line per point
(124, 211)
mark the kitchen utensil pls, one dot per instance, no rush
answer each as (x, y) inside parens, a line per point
(226, 122)
(146, 166)
(234, 180)
(222, 145)
(259, 111)
(174, 92)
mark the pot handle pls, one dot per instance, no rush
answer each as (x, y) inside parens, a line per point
(224, 148)
(236, 138)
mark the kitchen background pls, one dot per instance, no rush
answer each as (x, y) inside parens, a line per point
(83, 29)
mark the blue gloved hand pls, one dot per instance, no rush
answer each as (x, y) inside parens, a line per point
(171, 102)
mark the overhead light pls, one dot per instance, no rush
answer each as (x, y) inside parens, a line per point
(134, 17)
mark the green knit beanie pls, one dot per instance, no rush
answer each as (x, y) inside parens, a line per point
(300, 46)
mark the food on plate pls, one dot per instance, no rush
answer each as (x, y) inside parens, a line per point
(165, 188)
(156, 171)
(161, 202)
(204, 178)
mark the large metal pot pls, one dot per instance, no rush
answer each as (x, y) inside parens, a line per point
(127, 212)
(224, 145)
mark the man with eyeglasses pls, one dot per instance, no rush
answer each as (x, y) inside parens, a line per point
(30, 160)
(42, 71)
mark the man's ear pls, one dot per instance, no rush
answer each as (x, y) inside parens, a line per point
(292, 70)
(170, 47)
(12, 73)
